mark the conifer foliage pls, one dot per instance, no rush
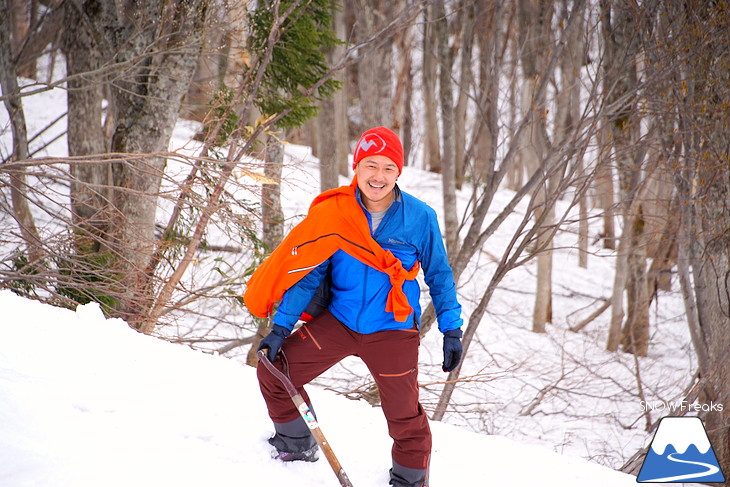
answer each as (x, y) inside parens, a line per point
(296, 77)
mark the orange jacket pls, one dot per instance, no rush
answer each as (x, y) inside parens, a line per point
(335, 222)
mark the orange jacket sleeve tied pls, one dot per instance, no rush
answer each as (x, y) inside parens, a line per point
(335, 222)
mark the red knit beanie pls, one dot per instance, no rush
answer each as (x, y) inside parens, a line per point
(379, 141)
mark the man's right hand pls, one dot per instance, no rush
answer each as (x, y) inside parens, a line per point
(273, 341)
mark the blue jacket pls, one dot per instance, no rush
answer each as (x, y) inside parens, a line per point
(410, 231)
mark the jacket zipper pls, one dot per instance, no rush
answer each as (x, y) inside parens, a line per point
(388, 216)
(364, 295)
(295, 249)
(366, 270)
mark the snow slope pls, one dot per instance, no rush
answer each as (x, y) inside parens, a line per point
(86, 401)
(129, 414)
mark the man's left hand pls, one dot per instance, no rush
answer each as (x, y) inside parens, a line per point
(452, 350)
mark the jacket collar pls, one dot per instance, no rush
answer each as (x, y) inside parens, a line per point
(396, 200)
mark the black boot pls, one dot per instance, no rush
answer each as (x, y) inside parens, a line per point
(401, 476)
(294, 442)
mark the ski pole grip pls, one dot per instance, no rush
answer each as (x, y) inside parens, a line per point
(285, 380)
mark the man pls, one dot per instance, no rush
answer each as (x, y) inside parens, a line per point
(365, 242)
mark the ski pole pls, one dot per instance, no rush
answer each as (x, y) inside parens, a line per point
(306, 412)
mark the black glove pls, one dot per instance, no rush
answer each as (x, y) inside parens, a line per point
(452, 350)
(273, 341)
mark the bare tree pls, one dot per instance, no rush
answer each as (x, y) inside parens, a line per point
(568, 112)
(403, 94)
(340, 134)
(273, 219)
(464, 24)
(429, 73)
(331, 135)
(448, 150)
(328, 162)
(86, 135)
(150, 54)
(374, 70)
(535, 33)
(554, 165)
(703, 50)
(620, 34)
(11, 100)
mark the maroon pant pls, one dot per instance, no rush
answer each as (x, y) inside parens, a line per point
(391, 357)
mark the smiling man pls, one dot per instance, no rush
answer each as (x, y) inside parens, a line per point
(360, 247)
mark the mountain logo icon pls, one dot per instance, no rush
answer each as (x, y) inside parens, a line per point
(680, 452)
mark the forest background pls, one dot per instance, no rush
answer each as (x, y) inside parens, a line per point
(606, 123)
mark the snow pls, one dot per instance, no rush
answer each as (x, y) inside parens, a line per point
(87, 401)
(680, 433)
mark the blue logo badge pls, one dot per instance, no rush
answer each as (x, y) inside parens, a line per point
(680, 452)
(370, 141)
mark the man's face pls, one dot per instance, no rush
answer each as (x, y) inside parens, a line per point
(376, 177)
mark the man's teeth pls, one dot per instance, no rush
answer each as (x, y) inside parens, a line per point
(376, 186)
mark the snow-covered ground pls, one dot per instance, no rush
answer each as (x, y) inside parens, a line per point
(86, 401)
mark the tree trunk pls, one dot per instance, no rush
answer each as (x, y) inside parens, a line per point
(568, 107)
(273, 222)
(402, 98)
(705, 120)
(85, 135)
(619, 27)
(603, 186)
(683, 272)
(543, 309)
(712, 288)
(332, 125)
(19, 14)
(582, 224)
(340, 134)
(271, 212)
(328, 163)
(661, 211)
(145, 106)
(535, 33)
(711, 273)
(431, 144)
(482, 154)
(311, 132)
(448, 169)
(635, 333)
(466, 23)
(515, 172)
(14, 107)
(617, 297)
(374, 69)
(48, 29)
(211, 66)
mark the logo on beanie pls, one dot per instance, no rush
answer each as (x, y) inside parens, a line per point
(375, 140)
